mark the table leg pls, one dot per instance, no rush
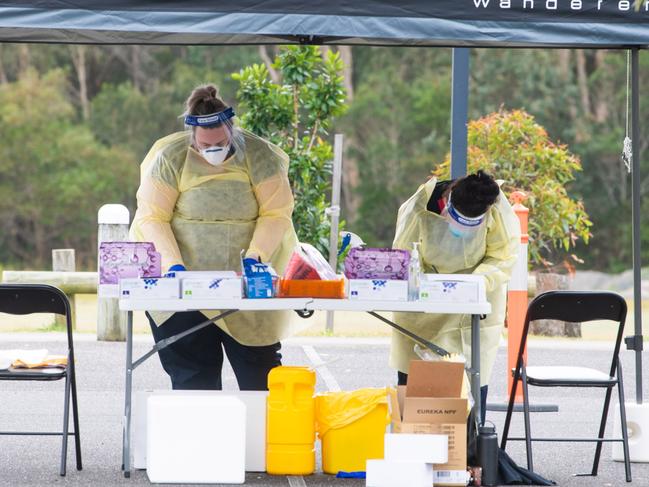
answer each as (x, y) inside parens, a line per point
(475, 364)
(126, 441)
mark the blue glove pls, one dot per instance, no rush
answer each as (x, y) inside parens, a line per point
(173, 269)
(350, 475)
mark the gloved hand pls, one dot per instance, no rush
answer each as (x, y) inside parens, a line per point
(248, 262)
(173, 269)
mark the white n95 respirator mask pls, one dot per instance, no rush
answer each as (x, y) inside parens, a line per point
(215, 155)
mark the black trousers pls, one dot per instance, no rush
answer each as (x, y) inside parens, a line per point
(402, 379)
(196, 360)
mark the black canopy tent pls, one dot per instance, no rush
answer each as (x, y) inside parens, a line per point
(597, 24)
(525, 23)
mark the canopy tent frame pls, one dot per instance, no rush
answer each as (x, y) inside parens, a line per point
(589, 24)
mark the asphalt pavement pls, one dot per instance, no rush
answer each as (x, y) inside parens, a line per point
(349, 363)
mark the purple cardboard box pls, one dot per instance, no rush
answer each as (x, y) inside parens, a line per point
(377, 264)
(125, 259)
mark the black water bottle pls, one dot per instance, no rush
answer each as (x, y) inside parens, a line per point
(488, 453)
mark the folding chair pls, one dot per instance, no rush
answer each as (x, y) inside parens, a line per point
(572, 306)
(22, 299)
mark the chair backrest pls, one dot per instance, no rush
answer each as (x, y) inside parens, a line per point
(578, 307)
(22, 299)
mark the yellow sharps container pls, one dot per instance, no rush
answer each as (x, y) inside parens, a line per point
(290, 437)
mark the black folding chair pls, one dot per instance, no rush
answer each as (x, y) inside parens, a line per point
(572, 306)
(22, 299)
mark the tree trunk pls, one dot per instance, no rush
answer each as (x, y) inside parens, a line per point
(348, 70)
(3, 73)
(546, 281)
(137, 76)
(24, 58)
(268, 61)
(582, 82)
(602, 108)
(79, 62)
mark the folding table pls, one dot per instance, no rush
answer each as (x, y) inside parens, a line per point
(304, 307)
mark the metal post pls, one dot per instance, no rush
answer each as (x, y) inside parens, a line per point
(334, 212)
(459, 111)
(126, 432)
(635, 190)
(475, 366)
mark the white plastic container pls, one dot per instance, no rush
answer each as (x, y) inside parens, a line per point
(392, 473)
(187, 442)
(149, 288)
(211, 287)
(452, 288)
(637, 420)
(255, 402)
(378, 290)
(404, 447)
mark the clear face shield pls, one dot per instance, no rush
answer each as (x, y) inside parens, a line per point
(459, 225)
(214, 135)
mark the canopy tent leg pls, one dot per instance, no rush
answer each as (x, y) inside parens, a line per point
(459, 111)
(636, 342)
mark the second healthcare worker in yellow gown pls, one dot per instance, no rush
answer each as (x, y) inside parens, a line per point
(206, 194)
(465, 226)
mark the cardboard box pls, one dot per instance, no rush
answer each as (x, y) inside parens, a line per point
(149, 288)
(378, 290)
(214, 284)
(454, 288)
(432, 403)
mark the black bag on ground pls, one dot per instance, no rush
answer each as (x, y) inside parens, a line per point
(509, 473)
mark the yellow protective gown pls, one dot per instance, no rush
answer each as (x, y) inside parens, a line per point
(202, 216)
(491, 252)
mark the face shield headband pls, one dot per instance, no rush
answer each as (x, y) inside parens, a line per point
(465, 221)
(210, 120)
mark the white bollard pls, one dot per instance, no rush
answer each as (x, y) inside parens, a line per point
(113, 223)
(637, 421)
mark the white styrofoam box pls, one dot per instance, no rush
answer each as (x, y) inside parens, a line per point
(463, 288)
(390, 473)
(149, 287)
(378, 289)
(406, 447)
(451, 477)
(637, 422)
(187, 442)
(211, 287)
(255, 402)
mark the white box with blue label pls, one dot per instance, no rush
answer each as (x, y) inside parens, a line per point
(209, 284)
(378, 290)
(452, 288)
(149, 288)
(259, 279)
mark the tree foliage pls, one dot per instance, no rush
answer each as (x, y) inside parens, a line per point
(122, 98)
(296, 113)
(54, 174)
(512, 146)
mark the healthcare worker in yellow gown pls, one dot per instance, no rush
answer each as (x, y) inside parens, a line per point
(206, 194)
(464, 226)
